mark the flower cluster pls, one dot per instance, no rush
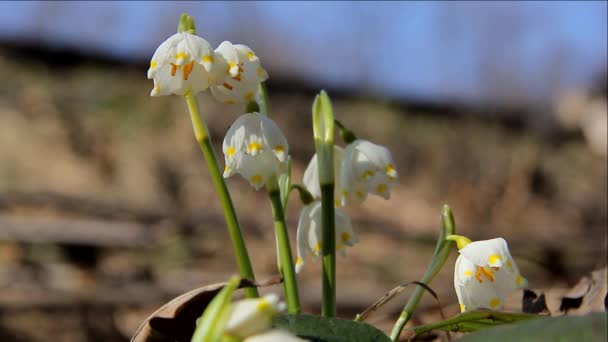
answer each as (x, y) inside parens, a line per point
(251, 320)
(360, 169)
(484, 273)
(185, 64)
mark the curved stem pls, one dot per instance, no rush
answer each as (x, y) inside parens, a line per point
(442, 251)
(204, 140)
(286, 266)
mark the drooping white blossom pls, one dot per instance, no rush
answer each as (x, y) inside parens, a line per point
(311, 176)
(242, 74)
(252, 316)
(484, 274)
(256, 148)
(310, 236)
(366, 168)
(183, 64)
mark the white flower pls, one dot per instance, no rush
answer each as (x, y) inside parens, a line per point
(366, 168)
(310, 235)
(183, 64)
(256, 148)
(275, 335)
(253, 316)
(242, 74)
(311, 176)
(485, 272)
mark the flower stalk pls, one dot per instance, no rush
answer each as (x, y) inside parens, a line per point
(286, 266)
(323, 128)
(201, 134)
(442, 251)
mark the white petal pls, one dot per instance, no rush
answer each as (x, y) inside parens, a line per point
(258, 169)
(274, 336)
(494, 252)
(311, 176)
(252, 316)
(302, 237)
(273, 137)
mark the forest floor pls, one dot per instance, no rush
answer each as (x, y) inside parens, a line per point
(107, 209)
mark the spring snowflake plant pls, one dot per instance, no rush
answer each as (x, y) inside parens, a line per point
(336, 179)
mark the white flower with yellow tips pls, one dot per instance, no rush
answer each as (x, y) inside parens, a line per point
(253, 316)
(275, 335)
(484, 274)
(366, 168)
(242, 74)
(256, 148)
(311, 176)
(183, 64)
(310, 236)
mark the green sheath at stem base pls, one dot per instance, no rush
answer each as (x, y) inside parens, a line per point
(328, 308)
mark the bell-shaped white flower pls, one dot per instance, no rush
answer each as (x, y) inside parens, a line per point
(484, 273)
(242, 74)
(275, 335)
(256, 148)
(183, 64)
(253, 316)
(310, 236)
(366, 168)
(311, 176)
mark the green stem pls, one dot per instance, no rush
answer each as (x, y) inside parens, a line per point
(329, 251)
(204, 140)
(442, 251)
(286, 266)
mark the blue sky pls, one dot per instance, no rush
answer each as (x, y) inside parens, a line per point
(467, 51)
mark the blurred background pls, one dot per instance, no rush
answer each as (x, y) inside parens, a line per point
(107, 210)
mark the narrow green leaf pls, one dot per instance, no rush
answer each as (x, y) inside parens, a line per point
(592, 327)
(329, 329)
(213, 320)
(473, 320)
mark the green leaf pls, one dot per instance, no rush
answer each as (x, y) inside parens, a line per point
(329, 329)
(592, 327)
(215, 317)
(473, 320)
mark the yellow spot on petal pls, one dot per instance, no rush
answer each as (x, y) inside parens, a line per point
(336, 203)
(231, 66)
(390, 171)
(207, 59)
(152, 64)
(229, 102)
(226, 169)
(462, 307)
(494, 302)
(260, 72)
(263, 305)
(360, 194)
(299, 261)
(509, 264)
(486, 272)
(494, 259)
(519, 280)
(279, 149)
(250, 55)
(381, 188)
(249, 96)
(317, 247)
(367, 174)
(468, 273)
(173, 69)
(180, 55)
(230, 151)
(339, 246)
(345, 236)
(254, 147)
(256, 179)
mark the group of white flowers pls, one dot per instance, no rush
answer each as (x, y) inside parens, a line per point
(255, 147)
